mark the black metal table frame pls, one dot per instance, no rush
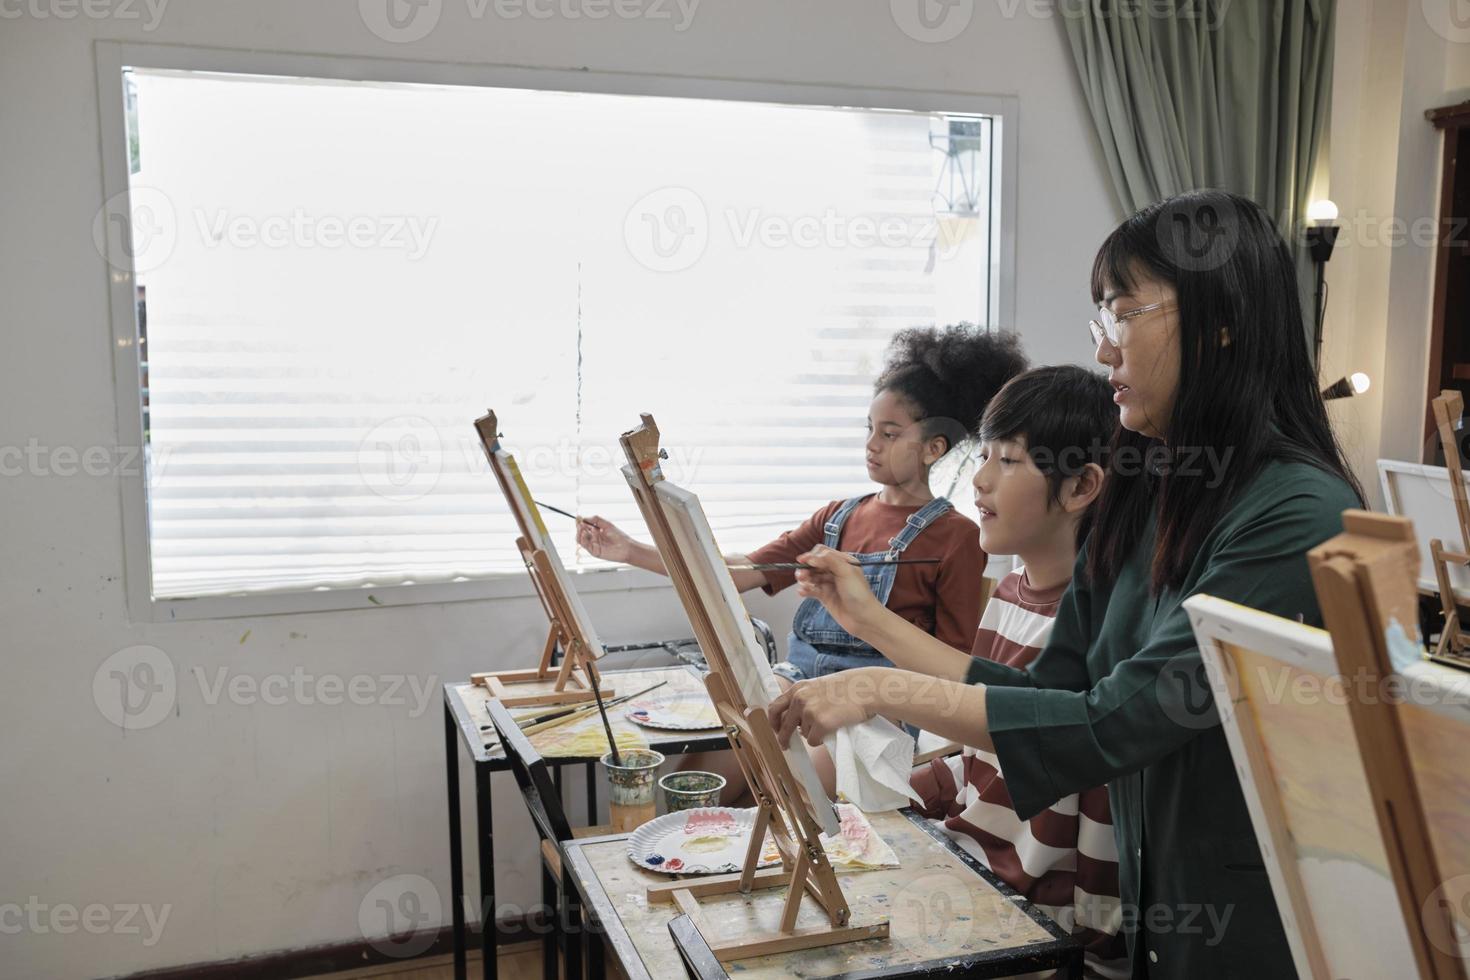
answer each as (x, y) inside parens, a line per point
(1062, 953)
(459, 728)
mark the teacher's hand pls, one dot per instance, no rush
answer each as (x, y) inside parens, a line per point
(821, 706)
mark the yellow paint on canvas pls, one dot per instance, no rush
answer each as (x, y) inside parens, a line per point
(525, 492)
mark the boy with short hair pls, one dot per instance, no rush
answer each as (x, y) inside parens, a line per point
(1042, 443)
(1044, 440)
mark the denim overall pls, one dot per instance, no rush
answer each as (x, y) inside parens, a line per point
(817, 644)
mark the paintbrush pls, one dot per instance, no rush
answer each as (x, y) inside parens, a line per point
(583, 710)
(561, 710)
(792, 566)
(559, 720)
(557, 510)
(612, 743)
(565, 718)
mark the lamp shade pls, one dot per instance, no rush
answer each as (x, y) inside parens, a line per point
(1347, 387)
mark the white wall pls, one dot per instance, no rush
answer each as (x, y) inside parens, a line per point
(1395, 59)
(263, 827)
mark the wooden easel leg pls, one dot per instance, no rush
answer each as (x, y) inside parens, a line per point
(546, 653)
(817, 936)
(788, 940)
(568, 661)
(767, 817)
(753, 849)
(1452, 637)
(1457, 640)
(716, 885)
(795, 893)
(686, 895)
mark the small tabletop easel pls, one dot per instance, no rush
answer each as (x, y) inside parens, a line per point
(790, 801)
(1454, 640)
(570, 626)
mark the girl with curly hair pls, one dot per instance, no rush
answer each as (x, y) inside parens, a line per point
(928, 399)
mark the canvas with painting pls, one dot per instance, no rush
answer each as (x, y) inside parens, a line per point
(570, 627)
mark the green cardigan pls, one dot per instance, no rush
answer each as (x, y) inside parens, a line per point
(1119, 696)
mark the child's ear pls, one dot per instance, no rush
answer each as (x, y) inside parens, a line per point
(1080, 491)
(934, 449)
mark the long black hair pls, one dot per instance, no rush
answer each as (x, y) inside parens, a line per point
(1247, 390)
(949, 374)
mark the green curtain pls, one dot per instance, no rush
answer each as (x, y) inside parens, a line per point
(1184, 94)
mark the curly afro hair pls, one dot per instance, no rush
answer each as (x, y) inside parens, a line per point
(949, 374)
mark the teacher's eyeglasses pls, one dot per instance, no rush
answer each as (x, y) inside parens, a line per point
(1109, 326)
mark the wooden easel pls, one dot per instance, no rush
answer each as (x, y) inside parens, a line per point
(1365, 581)
(569, 627)
(1454, 640)
(786, 805)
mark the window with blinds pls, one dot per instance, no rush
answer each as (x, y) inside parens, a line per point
(340, 277)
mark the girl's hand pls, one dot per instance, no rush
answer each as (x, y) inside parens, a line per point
(604, 539)
(822, 705)
(839, 585)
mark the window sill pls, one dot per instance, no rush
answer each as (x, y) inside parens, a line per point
(510, 585)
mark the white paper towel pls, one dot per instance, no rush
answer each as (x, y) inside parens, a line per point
(873, 761)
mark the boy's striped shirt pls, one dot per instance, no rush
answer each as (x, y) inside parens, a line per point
(1064, 859)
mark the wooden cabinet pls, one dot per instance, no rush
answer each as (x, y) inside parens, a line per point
(1449, 344)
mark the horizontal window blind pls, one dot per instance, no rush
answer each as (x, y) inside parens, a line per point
(340, 277)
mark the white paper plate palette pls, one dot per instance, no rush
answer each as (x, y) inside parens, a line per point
(709, 840)
(685, 711)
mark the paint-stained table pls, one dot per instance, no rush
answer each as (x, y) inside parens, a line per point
(949, 916)
(467, 723)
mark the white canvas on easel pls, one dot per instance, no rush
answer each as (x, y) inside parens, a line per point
(790, 801)
(752, 671)
(1424, 495)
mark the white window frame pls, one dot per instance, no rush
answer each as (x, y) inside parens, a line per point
(113, 56)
